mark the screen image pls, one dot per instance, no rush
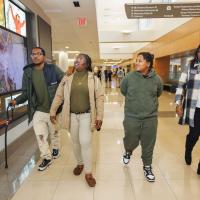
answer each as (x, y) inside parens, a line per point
(13, 57)
(2, 17)
(15, 18)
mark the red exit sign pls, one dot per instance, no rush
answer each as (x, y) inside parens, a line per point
(82, 21)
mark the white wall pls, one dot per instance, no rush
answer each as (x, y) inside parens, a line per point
(35, 9)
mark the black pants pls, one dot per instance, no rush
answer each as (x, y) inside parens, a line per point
(193, 136)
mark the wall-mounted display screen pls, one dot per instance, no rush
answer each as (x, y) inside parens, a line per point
(15, 18)
(13, 57)
(2, 17)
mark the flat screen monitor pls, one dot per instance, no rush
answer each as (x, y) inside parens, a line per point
(15, 18)
(2, 16)
(13, 57)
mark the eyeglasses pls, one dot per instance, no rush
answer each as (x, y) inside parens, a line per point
(36, 54)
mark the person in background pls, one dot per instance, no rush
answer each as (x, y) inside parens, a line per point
(97, 72)
(82, 112)
(124, 72)
(39, 84)
(108, 77)
(120, 76)
(188, 104)
(141, 89)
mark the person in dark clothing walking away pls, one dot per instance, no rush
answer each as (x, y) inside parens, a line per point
(188, 104)
(108, 77)
(39, 84)
(141, 89)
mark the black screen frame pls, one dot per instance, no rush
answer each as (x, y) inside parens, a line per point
(6, 21)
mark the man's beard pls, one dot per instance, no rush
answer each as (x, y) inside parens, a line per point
(39, 63)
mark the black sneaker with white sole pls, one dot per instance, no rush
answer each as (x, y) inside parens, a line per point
(126, 157)
(45, 163)
(148, 173)
(55, 153)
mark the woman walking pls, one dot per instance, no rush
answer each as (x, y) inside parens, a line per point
(82, 112)
(141, 89)
(188, 104)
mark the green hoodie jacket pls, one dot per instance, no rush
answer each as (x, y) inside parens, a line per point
(141, 94)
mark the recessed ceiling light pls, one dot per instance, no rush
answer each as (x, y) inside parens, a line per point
(126, 31)
(73, 52)
(66, 47)
(116, 47)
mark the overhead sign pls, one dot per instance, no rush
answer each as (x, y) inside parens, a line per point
(176, 10)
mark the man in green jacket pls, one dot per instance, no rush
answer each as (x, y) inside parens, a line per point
(39, 84)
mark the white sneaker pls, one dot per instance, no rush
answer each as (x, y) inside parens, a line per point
(45, 163)
(126, 157)
(149, 174)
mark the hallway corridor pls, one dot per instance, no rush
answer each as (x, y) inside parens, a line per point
(174, 180)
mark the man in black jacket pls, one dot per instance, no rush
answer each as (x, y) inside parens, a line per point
(39, 84)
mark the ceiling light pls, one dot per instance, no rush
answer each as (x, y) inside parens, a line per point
(56, 52)
(126, 31)
(66, 47)
(116, 47)
(73, 52)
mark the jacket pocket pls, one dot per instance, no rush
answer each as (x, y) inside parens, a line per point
(52, 91)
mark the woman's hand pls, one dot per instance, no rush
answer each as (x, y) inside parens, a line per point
(53, 119)
(98, 124)
(179, 110)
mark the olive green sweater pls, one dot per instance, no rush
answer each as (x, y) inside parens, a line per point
(79, 99)
(141, 94)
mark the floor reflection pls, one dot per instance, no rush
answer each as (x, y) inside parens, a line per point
(20, 165)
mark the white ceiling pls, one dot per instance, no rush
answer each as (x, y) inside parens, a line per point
(103, 37)
(112, 21)
(65, 30)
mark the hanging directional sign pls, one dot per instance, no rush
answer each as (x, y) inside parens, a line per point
(176, 10)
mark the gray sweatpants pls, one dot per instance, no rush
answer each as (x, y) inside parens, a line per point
(141, 132)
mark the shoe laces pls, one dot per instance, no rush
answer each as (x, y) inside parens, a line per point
(127, 155)
(44, 162)
(148, 170)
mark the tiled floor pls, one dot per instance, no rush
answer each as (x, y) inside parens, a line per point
(174, 180)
